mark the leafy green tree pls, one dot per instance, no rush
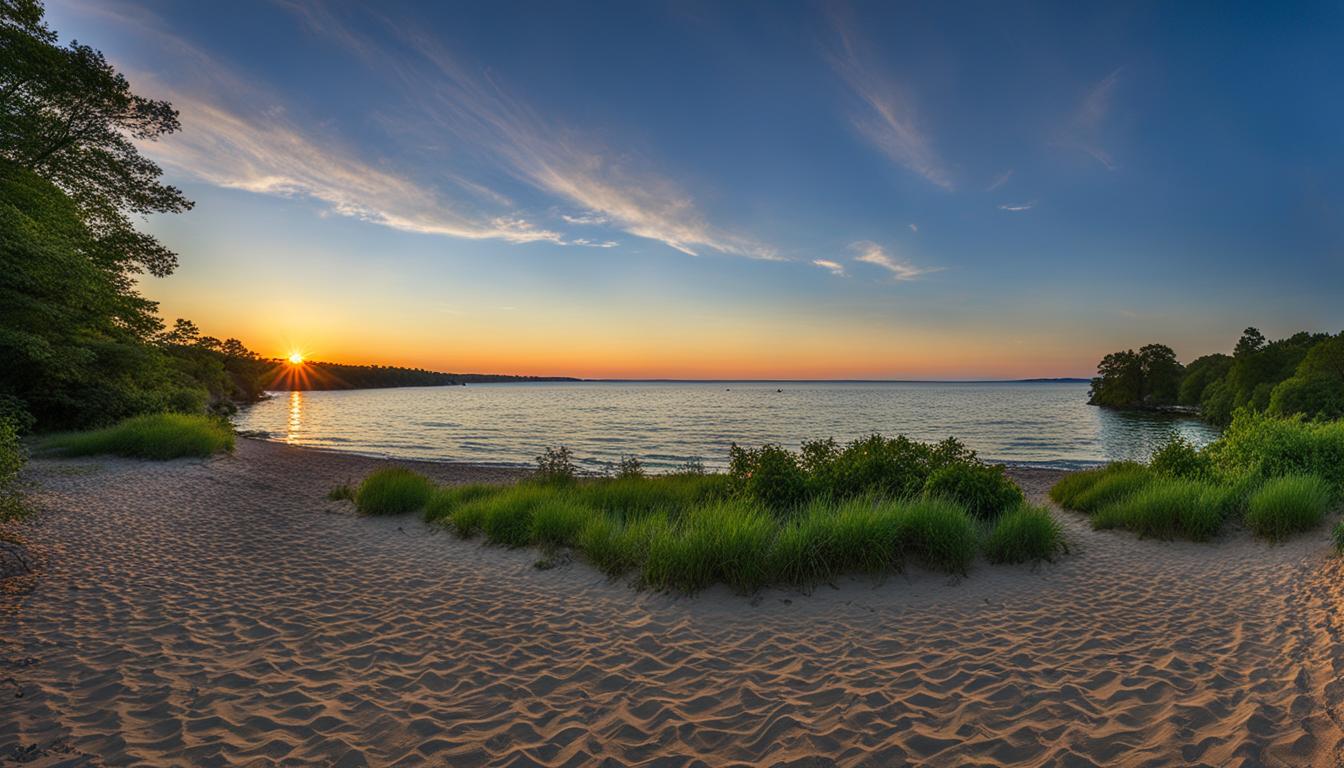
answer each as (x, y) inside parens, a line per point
(1199, 374)
(1129, 379)
(1316, 389)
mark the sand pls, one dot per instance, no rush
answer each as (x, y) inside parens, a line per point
(222, 612)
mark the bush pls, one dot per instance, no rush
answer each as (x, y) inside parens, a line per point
(984, 490)
(1286, 505)
(1179, 458)
(12, 459)
(556, 465)
(1267, 447)
(393, 491)
(1025, 534)
(769, 475)
(1092, 489)
(1168, 507)
(630, 466)
(159, 436)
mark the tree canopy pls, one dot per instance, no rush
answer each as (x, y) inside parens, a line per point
(1302, 374)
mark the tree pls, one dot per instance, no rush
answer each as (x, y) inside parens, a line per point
(1316, 389)
(1150, 377)
(68, 116)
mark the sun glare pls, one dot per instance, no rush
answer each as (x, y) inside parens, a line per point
(295, 358)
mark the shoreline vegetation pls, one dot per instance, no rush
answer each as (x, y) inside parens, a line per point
(777, 517)
(1302, 375)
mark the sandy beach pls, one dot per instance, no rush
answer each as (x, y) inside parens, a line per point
(223, 612)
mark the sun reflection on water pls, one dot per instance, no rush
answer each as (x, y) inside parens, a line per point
(295, 415)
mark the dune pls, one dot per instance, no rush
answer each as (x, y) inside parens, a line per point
(223, 612)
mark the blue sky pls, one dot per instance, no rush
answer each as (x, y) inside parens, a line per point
(744, 189)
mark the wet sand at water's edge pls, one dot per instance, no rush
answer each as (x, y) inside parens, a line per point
(223, 612)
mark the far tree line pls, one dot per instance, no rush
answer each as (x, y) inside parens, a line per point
(1302, 374)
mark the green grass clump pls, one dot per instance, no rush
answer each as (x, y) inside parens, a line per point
(560, 520)
(617, 547)
(1167, 508)
(446, 499)
(1287, 505)
(1092, 489)
(728, 541)
(938, 533)
(628, 497)
(1025, 534)
(158, 436)
(1337, 537)
(393, 491)
(342, 492)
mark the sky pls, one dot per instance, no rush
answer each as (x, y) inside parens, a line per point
(745, 189)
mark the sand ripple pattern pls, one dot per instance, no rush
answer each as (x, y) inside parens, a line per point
(223, 613)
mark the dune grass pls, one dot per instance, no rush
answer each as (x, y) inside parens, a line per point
(159, 436)
(1287, 505)
(1092, 489)
(1026, 534)
(1168, 507)
(393, 491)
(684, 533)
(1337, 538)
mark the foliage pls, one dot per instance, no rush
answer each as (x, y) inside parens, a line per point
(1299, 375)
(1179, 458)
(393, 491)
(1286, 505)
(769, 475)
(1025, 534)
(983, 489)
(1168, 507)
(630, 466)
(12, 459)
(556, 465)
(159, 436)
(1092, 489)
(1337, 537)
(1260, 446)
(1150, 377)
(81, 347)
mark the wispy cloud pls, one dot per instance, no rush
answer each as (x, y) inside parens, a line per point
(913, 228)
(888, 118)
(1018, 206)
(1000, 180)
(1085, 127)
(594, 243)
(574, 167)
(835, 267)
(872, 253)
(586, 219)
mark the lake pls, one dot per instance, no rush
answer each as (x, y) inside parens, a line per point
(667, 423)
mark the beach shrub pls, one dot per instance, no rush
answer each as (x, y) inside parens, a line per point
(159, 436)
(556, 465)
(1168, 507)
(1263, 446)
(629, 466)
(12, 459)
(1178, 457)
(875, 465)
(983, 489)
(1025, 534)
(769, 475)
(393, 491)
(1287, 505)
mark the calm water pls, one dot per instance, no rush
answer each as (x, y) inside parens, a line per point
(667, 423)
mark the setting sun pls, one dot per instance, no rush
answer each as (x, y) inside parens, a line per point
(295, 358)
